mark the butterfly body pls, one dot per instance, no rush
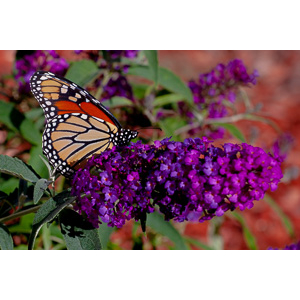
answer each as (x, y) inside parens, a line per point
(78, 126)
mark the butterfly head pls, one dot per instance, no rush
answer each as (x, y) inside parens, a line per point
(124, 136)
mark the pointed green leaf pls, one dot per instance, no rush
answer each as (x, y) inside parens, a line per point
(6, 241)
(47, 212)
(17, 168)
(39, 189)
(153, 63)
(82, 72)
(174, 84)
(233, 130)
(78, 233)
(105, 233)
(46, 163)
(156, 222)
(117, 101)
(36, 163)
(166, 99)
(166, 78)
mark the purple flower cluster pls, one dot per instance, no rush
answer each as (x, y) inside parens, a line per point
(218, 85)
(47, 60)
(295, 246)
(190, 180)
(222, 81)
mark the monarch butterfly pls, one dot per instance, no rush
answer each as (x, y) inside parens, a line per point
(78, 126)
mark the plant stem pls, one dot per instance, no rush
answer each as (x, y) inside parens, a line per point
(103, 84)
(20, 214)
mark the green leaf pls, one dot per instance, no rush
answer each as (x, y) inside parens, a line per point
(233, 130)
(156, 222)
(25, 225)
(105, 233)
(283, 217)
(39, 189)
(16, 121)
(170, 125)
(17, 168)
(34, 113)
(36, 163)
(48, 211)
(153, 63)
(139, 90)
(6, 241)
(174, 84)
(8, 186)
(166, 99)
(117, 101)
(249, 237)
(30, 133)
(78, 233)
(166, 78)
(6, 112)
(82, 72)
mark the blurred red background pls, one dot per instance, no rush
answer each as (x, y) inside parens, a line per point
(278, 89)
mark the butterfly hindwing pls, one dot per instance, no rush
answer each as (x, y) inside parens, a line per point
(71, 139)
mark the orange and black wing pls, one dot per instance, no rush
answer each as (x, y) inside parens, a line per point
(78, 126)
(58, 96)
(69, 140)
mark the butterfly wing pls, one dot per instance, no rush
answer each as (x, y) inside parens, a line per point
(78, 126)
(58, 96)
(70, 140)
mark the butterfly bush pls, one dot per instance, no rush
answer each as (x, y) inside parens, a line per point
(191, 180)
(44, 60)
(213, 88)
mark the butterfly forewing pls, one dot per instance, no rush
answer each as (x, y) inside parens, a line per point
(59, 96)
